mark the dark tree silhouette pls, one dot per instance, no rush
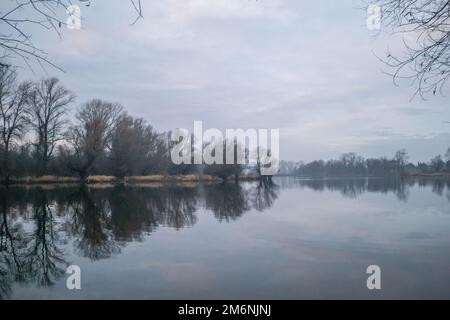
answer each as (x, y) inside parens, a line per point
(92, 134)
(13, 114)
(48, 106)
(136, 148)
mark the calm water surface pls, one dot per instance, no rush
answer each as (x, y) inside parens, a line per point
(290, 239)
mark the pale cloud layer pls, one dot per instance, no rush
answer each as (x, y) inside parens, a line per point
(306, 67)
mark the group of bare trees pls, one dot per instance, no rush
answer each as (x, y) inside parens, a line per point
(37, 138)
(39, 108)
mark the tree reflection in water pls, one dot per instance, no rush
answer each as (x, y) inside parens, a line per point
(12, 245)
(39, 225)
(44, 262)
(228, 201)
(89, 224)
(352, 188)
(34, 255)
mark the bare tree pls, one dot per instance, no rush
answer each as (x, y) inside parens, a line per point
(17, 15)
(426, 62)
(401, 160)
(437, 163)
(13, 115)
(48, 105)
(136, 148)
(92, 134)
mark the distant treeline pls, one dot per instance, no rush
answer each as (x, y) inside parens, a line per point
(37, 138)
(350, 164)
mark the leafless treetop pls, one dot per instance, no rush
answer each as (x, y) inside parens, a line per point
(425, 25)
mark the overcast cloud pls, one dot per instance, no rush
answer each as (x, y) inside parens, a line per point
(306, 67)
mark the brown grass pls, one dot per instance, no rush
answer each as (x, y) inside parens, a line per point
(176, 179)
(101, 179)
(145, 179)
(111, 180)
(45, 179)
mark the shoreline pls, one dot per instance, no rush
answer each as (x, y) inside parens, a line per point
(430, 175)
(153, 180)
(406, 175)
(112, 180)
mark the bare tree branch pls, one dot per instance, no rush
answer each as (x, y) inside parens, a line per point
(426, 58)
(16, 40)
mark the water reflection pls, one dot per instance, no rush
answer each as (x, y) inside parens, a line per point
(38, 226)
(29, 256)
(36, 223)
(352, 188)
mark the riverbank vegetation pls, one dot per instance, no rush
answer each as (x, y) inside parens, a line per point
(39, 143)
(353, 165)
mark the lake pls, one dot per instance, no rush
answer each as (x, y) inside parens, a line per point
(286, 239)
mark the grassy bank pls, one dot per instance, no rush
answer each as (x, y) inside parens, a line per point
(131, 180)
(116, 180)
(430, 175)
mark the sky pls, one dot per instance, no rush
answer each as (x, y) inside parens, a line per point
(308, 68)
